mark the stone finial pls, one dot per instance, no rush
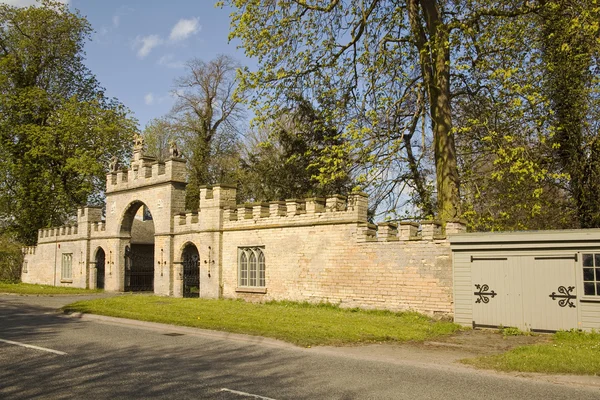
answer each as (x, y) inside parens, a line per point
(138, 143)
(113, 165)
(315, 205)
(335, 203)
(277, 209)
(454, 227)
(387, 231)
(295, 207)
(173, 150)
(431, 229)
(408, 230)
(260, 210)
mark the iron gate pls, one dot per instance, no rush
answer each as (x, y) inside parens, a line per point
(191, 272)
(139, 270)
(100, 257)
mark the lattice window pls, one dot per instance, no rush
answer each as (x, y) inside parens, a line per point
(67, 266)
(251, 262)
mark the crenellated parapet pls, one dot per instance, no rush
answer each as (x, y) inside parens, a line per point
(218, 211)
(28, 250)
(66, 232)
(297, 212)
(146, 171)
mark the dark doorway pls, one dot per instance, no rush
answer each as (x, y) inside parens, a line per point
(139, 268)
(138, 259)
(100, 258)
(191, 271)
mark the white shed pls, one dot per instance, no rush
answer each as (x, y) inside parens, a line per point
(537, 280)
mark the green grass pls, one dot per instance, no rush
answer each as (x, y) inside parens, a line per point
(303, 324)
(27, 288)
(570, 352)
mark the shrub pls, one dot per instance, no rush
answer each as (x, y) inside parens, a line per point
(11, 259)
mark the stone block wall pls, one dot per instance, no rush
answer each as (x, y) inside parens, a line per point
(345, 264)
(317, 250)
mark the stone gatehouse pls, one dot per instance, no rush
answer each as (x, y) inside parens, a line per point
(310, 249)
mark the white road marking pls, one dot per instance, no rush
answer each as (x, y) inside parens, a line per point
(30, 346)
(246, 394)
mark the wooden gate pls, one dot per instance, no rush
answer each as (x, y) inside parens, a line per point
(528, 292)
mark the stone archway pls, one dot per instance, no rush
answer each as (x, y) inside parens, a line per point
(191, 271)
(100, 260)
(137, 232)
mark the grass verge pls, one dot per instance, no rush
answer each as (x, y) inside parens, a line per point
(27, 288)
(570, 352)
(303, 324)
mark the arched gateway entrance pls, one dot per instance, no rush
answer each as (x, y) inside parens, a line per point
(138, 253)
(191, 271)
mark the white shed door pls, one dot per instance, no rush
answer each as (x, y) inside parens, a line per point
(497, 292)
(526, 292)
(549, 293)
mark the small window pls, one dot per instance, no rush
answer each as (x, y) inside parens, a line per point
(67, 266)
(24, 267)
(251, 261)
(591, 274)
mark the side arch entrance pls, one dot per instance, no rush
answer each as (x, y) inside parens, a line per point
(191, 271)
(100, 270)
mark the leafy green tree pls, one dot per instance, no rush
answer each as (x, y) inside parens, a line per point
(287, 161)
(57, 129)
(158, 135)
(11, 259)
(386, 63)
(571, 47)
(206, 116)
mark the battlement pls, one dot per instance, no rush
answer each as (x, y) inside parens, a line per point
(311, 211)
(89, 214)
(66, 232)
(218, 211)
(28, 250)
(146, 171)
(97, 228)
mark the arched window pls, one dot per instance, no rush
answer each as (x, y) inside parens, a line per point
(261, 269)
(251, 261)
(243, 269)
(252, 269)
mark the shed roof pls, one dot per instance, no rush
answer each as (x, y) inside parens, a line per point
(550, 239)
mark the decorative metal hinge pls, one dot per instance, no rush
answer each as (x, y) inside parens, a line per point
(483, 293)
(566, 296)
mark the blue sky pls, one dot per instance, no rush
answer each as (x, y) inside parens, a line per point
(140, 46)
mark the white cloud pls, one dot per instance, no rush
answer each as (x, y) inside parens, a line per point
(149, 99)
(169, 61)
(26, 3)
(145, 44)
(184, 28)
(116, 20)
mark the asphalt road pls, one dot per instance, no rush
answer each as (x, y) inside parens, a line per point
(110, 360)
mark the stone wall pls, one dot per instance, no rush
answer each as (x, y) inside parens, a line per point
(315, 249)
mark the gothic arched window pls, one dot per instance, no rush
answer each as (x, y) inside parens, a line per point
(251, 271)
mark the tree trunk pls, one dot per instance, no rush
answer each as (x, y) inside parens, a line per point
(432, 41)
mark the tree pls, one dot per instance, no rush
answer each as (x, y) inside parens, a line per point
(387, 63)
(570, 44)
(57, 129)
(205, 116)
(287, 161)
(158, 134)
